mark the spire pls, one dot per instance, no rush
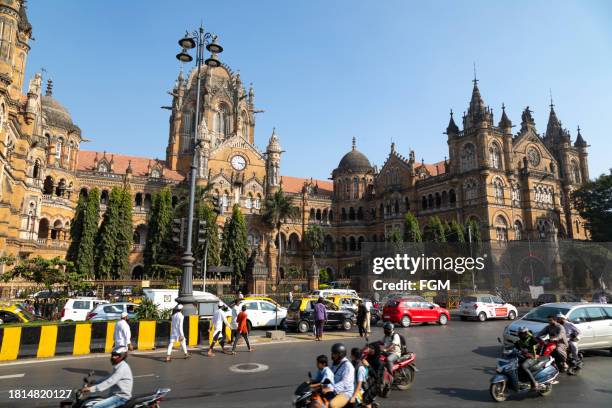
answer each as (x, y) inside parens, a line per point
(580, 142)
(273, 143)
(129, 168)
(49, 90)
(354, 143)
(452, 128)
(505, 122)
(392, 147)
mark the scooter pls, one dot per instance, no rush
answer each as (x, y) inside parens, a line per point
(84, 400)
(306, 397)
(403, 374)
(510, 377)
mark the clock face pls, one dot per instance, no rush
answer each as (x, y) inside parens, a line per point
(238, 162)
(533, 156)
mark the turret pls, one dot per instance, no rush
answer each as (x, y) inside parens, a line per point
(15, 34)
(505, 124)
(452, 130)
(582, 146)
(478, 114)
(273, 153)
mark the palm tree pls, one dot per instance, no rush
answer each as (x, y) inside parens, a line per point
(277, 209)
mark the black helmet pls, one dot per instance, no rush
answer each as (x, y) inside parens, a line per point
(523, 330)
(388, 326)
(339, 349)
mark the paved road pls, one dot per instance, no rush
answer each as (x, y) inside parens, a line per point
(455, 362)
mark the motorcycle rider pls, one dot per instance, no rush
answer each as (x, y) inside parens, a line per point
(392, 346)
(572, 333)
(527, 344)
(344, 376)
(120, 381)
(556, 333)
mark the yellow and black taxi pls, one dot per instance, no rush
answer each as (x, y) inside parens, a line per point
(16, 314)
(300, 315)
(349, 302)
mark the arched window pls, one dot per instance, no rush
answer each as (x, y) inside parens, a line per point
(138, 200)
(58, 149)
(498, 191)
(360, 242)
(328, 244)
(344, 245)
(396, 207)
(470, 191)
(495, 156)
(430, 201)
(103, 167)
(438, 200)
(407, 203)
(225, 202)
(452, 198)
(356, 188)
(468, 157)
(258, 202)
(248, 201)
(61, 188)
(104, 197)
(542, 227)
(353, 244)
(186, 134)
(312, 215)
(69, 148)
(244, 124)
(343, 216)
(324, 216)
(516, 195)
(501, 228)
(7, 34)
(424, 203)
(575, 172)
(351, 214)
(43, 228)
(360, 213)
(221, 120)
(518, 230)
(83, 193)
(155, 173)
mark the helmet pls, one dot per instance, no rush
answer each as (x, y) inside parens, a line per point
(339, 349)
(523, 330)
(388, 326)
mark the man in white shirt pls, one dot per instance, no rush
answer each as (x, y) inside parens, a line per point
(218, 322)
(123, 334)
(234, 323)
(176, 332)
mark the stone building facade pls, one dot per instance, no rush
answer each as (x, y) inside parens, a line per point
(516, 184)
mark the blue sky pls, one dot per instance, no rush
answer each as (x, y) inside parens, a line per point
(325, 71)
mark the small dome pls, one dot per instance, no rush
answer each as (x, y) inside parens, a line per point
(56, 115)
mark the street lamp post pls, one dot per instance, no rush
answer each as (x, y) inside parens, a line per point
(199, 40)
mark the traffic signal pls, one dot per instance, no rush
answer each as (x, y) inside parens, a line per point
(201, 231)
(178, 231)
(216, 204)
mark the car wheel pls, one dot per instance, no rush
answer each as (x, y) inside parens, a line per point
(443, 319)
(405, 321)
(303, 327)
(511, 315)
(463, 318)
(283, 325)
(347, 325)
(482, 316)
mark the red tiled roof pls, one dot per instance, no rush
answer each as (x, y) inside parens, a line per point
(295, 185)
(140, 165)
(435, 169)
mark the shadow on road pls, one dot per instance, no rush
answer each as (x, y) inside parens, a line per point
(149, 357)
(604, 391)
(227, 392)
(488, 351)
(485, 370)
(85, 371)
(464, 393)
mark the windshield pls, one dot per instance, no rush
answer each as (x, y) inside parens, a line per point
(330, 305)
(541, 313)
(28, 315)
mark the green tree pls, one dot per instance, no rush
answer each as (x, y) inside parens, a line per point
(454, 232)
(47, 272)
(84, 263)
(395, 237)
(314, 238)
(323, 276)
(204, 212)
(277, 209)
(434, 231)
(114, 239)
(76, 229)
(234, 249)
(472, 228)
(125, 235)
(412, 232)
(593, 200)
(159, 228)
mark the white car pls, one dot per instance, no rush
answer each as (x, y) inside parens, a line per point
(76, 310)
(594, 320)
(483, 306)
(261, 313)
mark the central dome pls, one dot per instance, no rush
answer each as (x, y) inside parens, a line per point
(56, 114)
(354, 161)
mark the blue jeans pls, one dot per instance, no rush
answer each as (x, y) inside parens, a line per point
(111, 402)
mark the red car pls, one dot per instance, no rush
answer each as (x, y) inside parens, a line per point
(409, 310)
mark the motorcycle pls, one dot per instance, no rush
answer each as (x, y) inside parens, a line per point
(306, 397)
(85, 400)
(403, 374)
(510, 377)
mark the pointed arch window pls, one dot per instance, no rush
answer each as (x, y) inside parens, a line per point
(470, 191)
(501, 228)
(58, 148)
(575, 173)
(355, 187)
(518, 230)
(468, 157)
(498, 191)
(495, 154)
(222, 121)
(186, 139)
(7, 34)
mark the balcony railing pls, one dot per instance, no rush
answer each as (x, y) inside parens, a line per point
(52, 243)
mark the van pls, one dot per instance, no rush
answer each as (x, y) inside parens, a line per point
(76, 310)
(334, 292)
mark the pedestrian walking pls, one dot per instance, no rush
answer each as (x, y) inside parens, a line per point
(176, 332)
(236, 309)
(243, 329)
(123, 334)
(362, 316)
(320, 316)
(218, 322)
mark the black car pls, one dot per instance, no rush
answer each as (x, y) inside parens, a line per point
(300, 316)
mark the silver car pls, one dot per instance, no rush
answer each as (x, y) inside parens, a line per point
(594, 320)
(112, 311)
